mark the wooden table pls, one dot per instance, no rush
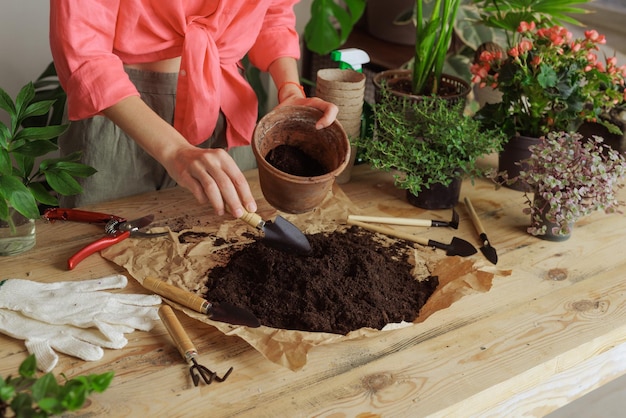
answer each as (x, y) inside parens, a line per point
(548, 333)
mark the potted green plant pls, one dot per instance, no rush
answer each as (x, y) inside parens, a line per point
(549, 82)
(27, 395)
(27, 178)
(569, 178)
(429, 145)
(435, 25)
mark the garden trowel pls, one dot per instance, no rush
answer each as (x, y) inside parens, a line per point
(280, 234)
(487, 249)
(458, 246)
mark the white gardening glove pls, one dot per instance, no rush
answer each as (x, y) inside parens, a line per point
(42, 339)
(80, 303)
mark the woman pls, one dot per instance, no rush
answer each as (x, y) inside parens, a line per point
(156, 93)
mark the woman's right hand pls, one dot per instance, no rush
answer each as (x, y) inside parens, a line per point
(212, 176)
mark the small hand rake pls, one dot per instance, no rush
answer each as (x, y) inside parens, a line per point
(186, 348)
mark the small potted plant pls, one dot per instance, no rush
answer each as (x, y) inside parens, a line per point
(549, 82)
(25, 178)
(429, 145)
(570, 178)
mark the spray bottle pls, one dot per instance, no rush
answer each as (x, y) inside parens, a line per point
(350, 58)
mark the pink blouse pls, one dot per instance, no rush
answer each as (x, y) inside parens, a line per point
(91, 40)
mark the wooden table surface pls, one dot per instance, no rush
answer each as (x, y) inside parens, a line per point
(546, 334)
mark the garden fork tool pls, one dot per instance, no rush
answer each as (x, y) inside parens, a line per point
(186, 348)
(116, 229)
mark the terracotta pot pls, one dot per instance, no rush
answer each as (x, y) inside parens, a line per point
(513, 152)
(295, 126)
(437, 196)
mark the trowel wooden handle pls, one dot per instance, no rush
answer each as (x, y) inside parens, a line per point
(389, 231)
(474, 216)
(391, 220)
(177, 295)
(177, 332)
(253, 219)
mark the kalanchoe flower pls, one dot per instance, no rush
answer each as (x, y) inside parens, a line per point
(549, 82)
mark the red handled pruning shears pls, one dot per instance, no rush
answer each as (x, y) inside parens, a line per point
(116, 228)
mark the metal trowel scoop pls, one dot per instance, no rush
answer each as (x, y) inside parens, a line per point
(280, 234)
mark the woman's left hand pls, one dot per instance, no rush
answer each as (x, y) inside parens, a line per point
(330, 109)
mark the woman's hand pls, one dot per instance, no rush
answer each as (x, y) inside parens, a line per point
(330, 109)
(212, 176)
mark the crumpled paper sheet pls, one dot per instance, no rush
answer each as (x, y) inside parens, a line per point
(187, 266)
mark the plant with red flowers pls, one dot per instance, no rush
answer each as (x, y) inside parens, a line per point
(549, 82)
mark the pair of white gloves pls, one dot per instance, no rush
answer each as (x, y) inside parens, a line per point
(74, 318)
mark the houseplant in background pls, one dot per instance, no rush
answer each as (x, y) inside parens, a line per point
(429, 145)
(549, 82)
(569, 177)
(25, 181)
(434, 23)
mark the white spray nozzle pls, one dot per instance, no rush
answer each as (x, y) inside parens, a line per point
(352, 58)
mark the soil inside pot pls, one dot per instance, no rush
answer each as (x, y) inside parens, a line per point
(349, 282)
(293, 160)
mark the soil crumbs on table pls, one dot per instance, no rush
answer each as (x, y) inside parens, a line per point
(350, 281)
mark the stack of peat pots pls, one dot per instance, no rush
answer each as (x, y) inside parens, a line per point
(346, 89)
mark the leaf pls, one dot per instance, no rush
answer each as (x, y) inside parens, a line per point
(5, 162)
(42, 195)
(62, 182)
(100, 382)
(7, 104)
(38, 108)
(35, 148)
(28, 368)
(320, 33)
(73, 168)
(19, 196)
(45, 386)
(41, 133)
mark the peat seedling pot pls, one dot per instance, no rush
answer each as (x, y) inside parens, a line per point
(298, 163)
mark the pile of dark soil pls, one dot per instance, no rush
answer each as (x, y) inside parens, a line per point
(350, 281)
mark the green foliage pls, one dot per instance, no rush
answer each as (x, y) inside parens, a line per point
(425, 141)
(331, 24)
(549, 82)
(433, 35)
(509, 14)
(20, 178)
(29, 396)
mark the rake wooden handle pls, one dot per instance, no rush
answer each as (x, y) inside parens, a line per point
(389, 231)
(391, 220)
(181, 296)
(177, 332)
(253, 219)
(474, 216)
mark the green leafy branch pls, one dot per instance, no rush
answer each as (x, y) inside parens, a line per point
(28, 396)
(21, 182)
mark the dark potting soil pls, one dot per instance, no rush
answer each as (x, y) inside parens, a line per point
(349, 281)
(295, 161)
